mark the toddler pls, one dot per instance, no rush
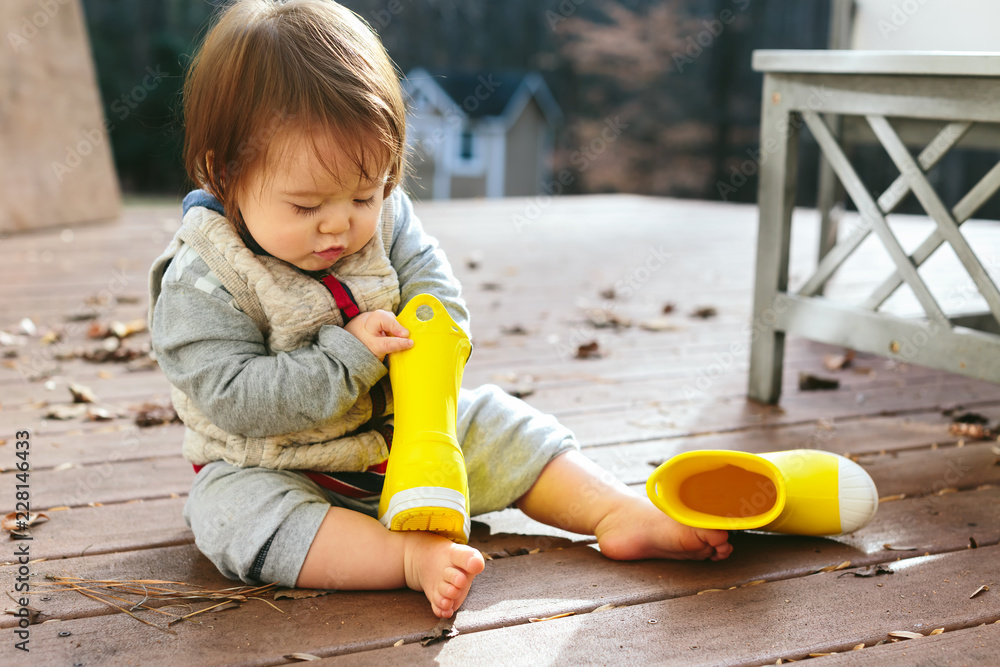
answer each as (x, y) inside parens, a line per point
(272, 312)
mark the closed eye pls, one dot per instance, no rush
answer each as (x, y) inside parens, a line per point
(366, 202)
(306, 210)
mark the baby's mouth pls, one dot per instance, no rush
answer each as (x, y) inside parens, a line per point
(331, 254)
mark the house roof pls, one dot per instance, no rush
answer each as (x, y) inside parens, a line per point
(496, 94)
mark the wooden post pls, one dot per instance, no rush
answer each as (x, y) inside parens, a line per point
(55, 155)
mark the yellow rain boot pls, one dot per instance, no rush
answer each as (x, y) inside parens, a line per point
(799, 492)
(425, 482)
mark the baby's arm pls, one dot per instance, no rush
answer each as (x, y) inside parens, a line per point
(421, 264)
(215, 354)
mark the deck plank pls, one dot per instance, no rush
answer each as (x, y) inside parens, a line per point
(969, 646)
(747, 626)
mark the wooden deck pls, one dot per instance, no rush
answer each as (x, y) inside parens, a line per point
(530, 273)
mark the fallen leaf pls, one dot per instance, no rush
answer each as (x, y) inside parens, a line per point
(589, 350)
(11, 523)
(906, 634)
(936, 631)
(119, 354)
(810, 382)
(51, 337)
(126, 329)
(858, 647)
(550, 618)
(299, 593)
(602, 318)
(12, 339)
(97, 330)
(473, 259)
(838, 362)
(704, 312)
(33, 613)
(659, 324)
(869, 571)
(981, 589)
(154, 414)
(890, 547)
(971, 431)
(444, 629)
(98, 414)
(302, 656)
(66, 411)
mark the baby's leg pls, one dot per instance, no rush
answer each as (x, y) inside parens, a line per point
(353, 551)
(575, 494)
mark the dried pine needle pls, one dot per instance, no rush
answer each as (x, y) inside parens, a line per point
(550, 618)
(833, 568)
(111, 592)
(981, 589)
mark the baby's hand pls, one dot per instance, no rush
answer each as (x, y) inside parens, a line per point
(380, 332)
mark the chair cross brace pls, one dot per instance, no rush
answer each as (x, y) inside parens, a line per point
(912, 178)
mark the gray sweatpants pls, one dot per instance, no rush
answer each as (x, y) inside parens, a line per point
(256, 524)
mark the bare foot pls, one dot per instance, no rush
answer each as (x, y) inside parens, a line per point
(441, 569)
(637, 529)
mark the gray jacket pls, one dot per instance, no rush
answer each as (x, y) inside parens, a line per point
(263, 373)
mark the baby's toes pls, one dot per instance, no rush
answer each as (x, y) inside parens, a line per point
(447, 593)
(714, 537)
(456, 577)
(468, 560)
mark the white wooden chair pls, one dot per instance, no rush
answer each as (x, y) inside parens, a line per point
(883, 91)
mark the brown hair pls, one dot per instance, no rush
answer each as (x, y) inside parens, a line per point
(266, 64)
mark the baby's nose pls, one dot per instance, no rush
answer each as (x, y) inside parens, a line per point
(334, 224)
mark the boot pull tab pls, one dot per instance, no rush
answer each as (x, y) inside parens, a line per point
(425, 315)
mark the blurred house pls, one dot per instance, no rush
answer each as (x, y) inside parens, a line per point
(479, 134)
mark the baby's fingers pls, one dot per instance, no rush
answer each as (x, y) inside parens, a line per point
(388, 344)
(388, 324)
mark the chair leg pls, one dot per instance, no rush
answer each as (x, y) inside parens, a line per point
(776, 199)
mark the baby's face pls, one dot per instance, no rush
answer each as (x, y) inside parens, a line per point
(300, 213)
